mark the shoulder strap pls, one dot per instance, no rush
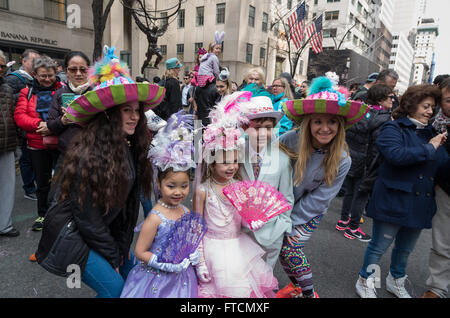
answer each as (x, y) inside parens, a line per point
(30, 93)
(158, 214)
(19, 77)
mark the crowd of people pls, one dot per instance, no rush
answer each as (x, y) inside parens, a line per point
(94, 144)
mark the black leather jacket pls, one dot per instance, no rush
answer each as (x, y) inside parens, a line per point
(110, 234)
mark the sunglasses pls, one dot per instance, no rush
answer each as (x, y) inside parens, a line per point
(76, 69)
(3, 66)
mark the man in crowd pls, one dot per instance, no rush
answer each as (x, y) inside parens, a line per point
(17, 81)
(361, 93)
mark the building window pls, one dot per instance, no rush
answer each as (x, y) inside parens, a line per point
(262, 56)
(180, 49)
(200, 18)
(220, 13)
(181, 14)
(332, 15)
(163, 49)
(333, 1)
(329, 33)
(359, 7)
(316, 2)
(4, 4)
(165, 20)
(249, 53)
(265, 22)
(289, 4)
(55, 10)
(251, 16)
(197, 46)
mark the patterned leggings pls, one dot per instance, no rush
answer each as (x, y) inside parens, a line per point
(294, 261)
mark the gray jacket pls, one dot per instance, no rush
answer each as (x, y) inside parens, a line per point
(313, 196)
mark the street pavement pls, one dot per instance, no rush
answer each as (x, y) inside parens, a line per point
(335, 260)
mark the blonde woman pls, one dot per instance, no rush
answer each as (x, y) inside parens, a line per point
(322, 161)
(282, 92)
(172, 99)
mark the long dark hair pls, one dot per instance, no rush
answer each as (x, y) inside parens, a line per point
(98, 158)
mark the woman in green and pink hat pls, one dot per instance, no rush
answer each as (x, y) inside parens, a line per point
(322, 161)
(91, 221)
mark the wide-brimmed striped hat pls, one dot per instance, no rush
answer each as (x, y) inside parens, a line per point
(323, 99)
(112, 86)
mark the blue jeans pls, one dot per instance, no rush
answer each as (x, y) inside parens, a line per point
(146, 204)
(103, 278)
(383, 234)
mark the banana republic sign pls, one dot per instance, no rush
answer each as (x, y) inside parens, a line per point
(29, 39)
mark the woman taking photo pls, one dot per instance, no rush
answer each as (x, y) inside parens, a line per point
(76, 65)
(402, 202)
(282, 92)
(30, 116)
(321, 162)
(91, 224)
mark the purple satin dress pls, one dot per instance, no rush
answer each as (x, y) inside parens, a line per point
(146, 282)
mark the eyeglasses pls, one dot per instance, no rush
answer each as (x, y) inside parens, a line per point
(76, 69)
(3, 66)
(277, 86)
(45, 76)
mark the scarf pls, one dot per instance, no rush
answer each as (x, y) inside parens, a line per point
(418, 124)
(441, 122)
(80, 89)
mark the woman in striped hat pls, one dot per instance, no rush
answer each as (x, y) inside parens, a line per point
(321, 162)
(90, 224)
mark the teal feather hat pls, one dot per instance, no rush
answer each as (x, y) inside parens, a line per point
(112, 86)
(323, 99)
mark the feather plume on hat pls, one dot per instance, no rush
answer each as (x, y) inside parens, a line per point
(224, 131)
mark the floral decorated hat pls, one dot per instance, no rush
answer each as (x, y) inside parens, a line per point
(323, 99)
(172, 147)
(224, 133)
(112, 86)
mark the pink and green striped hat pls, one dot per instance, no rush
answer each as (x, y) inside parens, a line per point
(325, 100)
(112, 86)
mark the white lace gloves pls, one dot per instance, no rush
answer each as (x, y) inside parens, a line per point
(168, 267)
(201, 268)
(194, 258)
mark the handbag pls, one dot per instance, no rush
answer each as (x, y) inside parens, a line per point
(50, 142)
(68, 249)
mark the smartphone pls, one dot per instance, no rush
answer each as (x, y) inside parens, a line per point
(67, 98)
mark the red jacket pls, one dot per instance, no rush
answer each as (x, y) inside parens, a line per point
(27, 118)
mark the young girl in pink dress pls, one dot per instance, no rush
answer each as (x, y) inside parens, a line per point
(231, 264)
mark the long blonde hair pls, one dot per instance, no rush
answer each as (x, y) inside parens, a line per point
(287, 88)
(332, 158)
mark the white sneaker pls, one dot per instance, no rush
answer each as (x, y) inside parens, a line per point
(365, 288)
(397, 286)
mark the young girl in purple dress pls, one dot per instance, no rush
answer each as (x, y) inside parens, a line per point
(154, 276)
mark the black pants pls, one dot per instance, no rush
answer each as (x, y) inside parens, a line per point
(43, 162)
(354, 202)
(205, 97)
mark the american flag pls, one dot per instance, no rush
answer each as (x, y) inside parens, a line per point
(297, 23)
(315, 34)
